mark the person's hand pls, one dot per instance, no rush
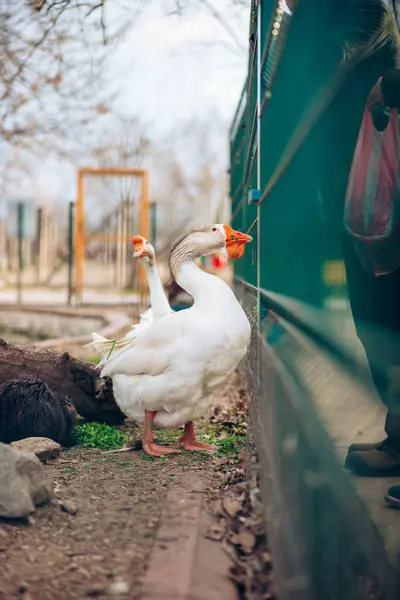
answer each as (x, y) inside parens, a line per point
(375, 97)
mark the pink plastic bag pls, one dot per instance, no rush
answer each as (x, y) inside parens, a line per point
(372, 205)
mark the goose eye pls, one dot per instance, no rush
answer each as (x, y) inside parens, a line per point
(214, 229)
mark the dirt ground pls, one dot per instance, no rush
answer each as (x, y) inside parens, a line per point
(103, 549)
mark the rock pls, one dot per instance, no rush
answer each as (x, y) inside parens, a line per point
(95, 591)
(23, 591)
(69, 506)
(43, 447)
(23, 483)
(119, 587)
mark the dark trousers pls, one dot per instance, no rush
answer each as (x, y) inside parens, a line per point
(375, 304)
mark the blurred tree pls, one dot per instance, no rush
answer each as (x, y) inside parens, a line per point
(236, 41)
(51, 57)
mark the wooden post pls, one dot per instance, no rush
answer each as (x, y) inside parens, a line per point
(38, 244)
(125, 232)
(44, 246)
(70, 243)
(20, 233)
(54, 242)
(145, 232)
(79, 240)
(3, 246)
(119, 248)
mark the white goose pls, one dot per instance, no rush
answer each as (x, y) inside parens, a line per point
(159, 305)
(166, 374)
(145, 252)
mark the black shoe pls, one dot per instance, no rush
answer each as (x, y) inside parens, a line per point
(392, 498)
(366, 446)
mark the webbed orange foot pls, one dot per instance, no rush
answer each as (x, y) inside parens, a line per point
(152, 449)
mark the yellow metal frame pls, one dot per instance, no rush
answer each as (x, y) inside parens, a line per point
(81, 237)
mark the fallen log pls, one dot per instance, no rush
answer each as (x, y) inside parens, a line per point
(66, 375)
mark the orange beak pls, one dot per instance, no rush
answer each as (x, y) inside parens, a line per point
(235, 242)
(139, 247)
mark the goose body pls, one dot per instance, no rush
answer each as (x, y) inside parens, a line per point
(174, 365)
(166, 374)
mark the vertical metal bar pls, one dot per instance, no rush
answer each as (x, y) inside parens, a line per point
(70, 251)
(145, 207)
(258, 178)
(144, 231)
(3, 242)
(38, 244)
(118, 258)
(79, 251)
(153, 207)
(258, 142)
(125, 231)
(20, 235)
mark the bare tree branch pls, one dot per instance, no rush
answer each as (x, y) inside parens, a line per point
(49, 69)
(224, 24)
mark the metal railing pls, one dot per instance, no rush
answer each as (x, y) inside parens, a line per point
(324, 545)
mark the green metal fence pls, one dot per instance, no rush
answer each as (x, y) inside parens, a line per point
(294, 255)
(324, 545)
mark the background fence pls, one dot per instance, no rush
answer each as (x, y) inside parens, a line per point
(37, 252)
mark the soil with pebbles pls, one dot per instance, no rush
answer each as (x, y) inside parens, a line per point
(96, 537)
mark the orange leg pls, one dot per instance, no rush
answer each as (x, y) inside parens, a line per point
(189, 440)
(149, 446)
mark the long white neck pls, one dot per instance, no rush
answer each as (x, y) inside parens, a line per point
(207, 290)
(158, 300)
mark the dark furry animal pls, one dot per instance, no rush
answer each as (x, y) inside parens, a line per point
(29, 408)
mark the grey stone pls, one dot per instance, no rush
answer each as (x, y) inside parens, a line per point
(41, 446)
(69, 506)
(23, 483)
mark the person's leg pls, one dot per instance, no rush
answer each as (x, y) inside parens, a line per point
(375, 304)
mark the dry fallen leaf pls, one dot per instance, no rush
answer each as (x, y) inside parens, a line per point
(266, 557)
(218, 508)
(246, 540)
(215, 531)
(231, 506)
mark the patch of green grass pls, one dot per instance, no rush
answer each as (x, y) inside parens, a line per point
(94, 359)
(98, 435)
(69, 469)
(228, 443)
(167, 436)
(231, 444)
(122, 463)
